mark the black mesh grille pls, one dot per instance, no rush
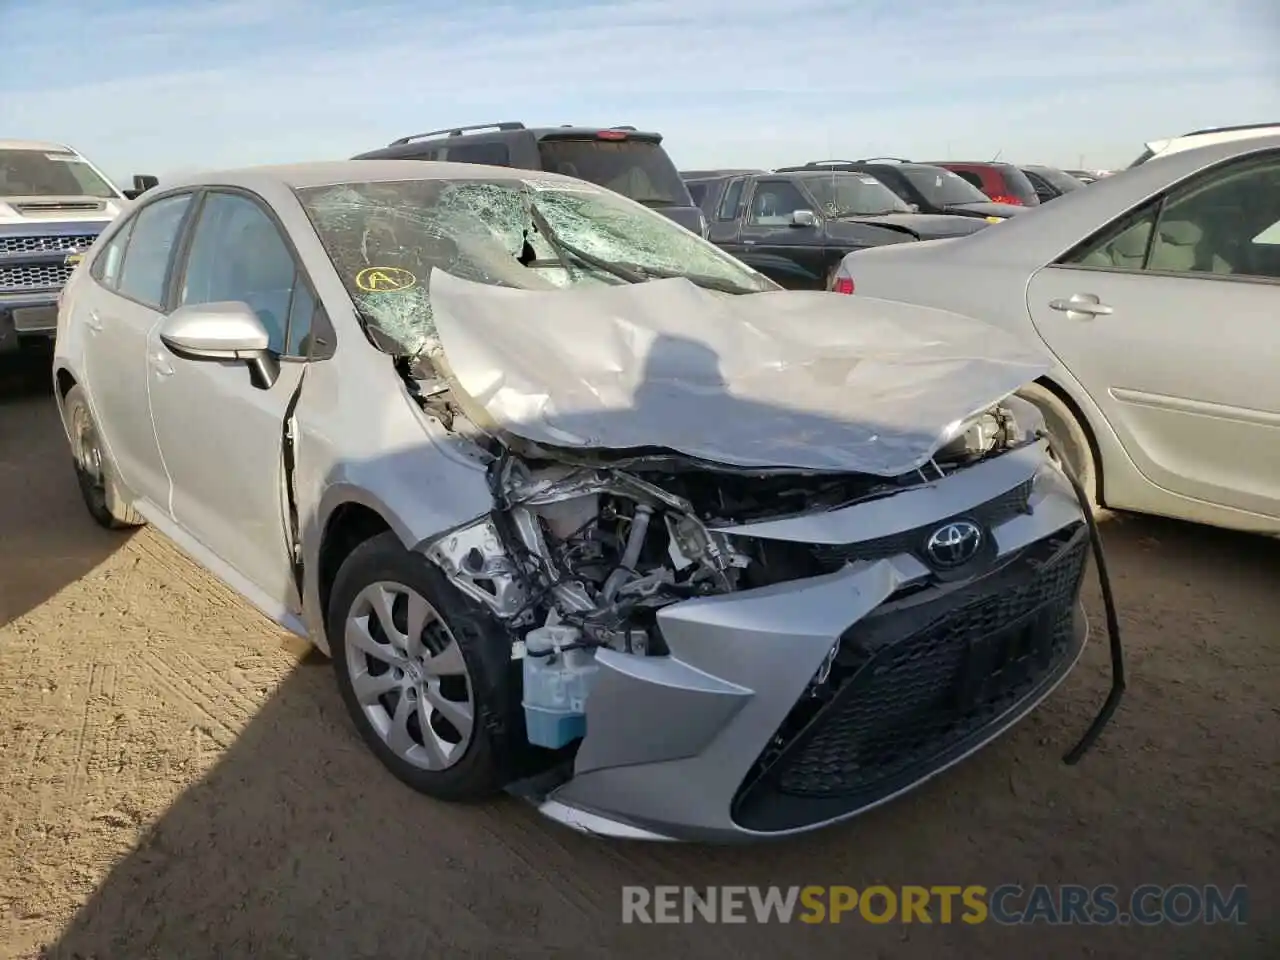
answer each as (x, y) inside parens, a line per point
(918, 681)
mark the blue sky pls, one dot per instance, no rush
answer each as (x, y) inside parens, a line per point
(166, 87)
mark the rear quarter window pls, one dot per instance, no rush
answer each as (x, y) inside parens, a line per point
(490, 154)
(638, 169)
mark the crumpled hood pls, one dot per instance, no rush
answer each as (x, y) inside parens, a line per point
(794, 379)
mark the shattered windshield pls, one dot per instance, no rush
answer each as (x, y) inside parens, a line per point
(385, 237)
(854, 195)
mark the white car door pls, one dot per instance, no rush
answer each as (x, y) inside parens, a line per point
(130, 279)
(1168, 317)
(220, 435)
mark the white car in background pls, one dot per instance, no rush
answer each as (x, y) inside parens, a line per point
(1158, 292)
(1204, 138)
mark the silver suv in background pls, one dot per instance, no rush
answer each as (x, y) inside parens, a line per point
(53, 205)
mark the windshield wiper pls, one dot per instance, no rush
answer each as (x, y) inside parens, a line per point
(697, 279)
(564, 249)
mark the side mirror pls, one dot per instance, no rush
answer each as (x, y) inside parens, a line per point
(913, 207)
(142, 182)
(222, 331)
(804, 218)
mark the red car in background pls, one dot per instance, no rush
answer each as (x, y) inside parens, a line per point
(1002, 182)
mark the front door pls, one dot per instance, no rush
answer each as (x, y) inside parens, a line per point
(131, 274)
(222, 437)
(1169, 319)
(774, 244)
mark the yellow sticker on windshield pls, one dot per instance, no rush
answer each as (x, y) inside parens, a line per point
(72, 259)
(385, 280)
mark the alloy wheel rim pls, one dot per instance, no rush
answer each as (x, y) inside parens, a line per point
(88, 451)
(408, 675)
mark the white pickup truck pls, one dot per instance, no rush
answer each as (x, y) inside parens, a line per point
(53, 205)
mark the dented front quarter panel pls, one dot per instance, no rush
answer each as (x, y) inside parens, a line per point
(363, 440)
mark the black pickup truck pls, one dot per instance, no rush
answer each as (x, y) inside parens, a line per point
(796, 227)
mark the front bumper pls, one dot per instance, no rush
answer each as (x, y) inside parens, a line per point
(804, 703)
(27, 315)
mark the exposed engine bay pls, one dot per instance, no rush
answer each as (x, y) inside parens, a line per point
(581, 550)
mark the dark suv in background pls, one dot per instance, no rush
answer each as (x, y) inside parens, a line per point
(622, 159)
(930, 189)
(1050, 182)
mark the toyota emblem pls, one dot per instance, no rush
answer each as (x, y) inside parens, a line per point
(953, 544)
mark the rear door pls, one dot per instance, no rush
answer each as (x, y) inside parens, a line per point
(794, 256)
(1168, 317)
(131, 276)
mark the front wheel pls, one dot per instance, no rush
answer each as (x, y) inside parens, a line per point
(1069, 443)
(425, 673)
(94, 473)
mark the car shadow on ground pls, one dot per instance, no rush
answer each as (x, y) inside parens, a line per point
(46, 534)
(298, 844)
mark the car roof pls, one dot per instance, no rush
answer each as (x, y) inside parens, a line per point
(326, 172)
(35, 145)
(718, 174)
(969, 163)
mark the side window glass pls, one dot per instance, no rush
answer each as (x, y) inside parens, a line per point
(150, 249)
(969, 177)
(237, 254)
(493, 154)
(697, 193)
(1122, 245)
(731, 203)
(106, 267)
(301, 311)
(774, 203)
(1228, 224)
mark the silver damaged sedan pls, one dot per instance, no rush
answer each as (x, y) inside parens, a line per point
(581, 507)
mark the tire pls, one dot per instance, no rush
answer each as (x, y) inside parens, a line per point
(1068, 438)
(487, 760)
(95, 474)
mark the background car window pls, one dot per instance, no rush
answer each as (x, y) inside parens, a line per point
(969, 177)
(1223, 225)
(774, 203)
(493, 154)
(106, 268)
(639, 169)
(698, 191)
(731, 203)
(237, 254)
(150, 249)
(1123, 245)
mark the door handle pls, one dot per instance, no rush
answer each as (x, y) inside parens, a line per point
(93, 321)
(1085, 303)
(160, 364)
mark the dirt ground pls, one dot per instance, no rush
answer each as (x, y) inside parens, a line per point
(179, 778)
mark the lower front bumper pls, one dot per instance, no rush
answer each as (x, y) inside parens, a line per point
(751, 728)
(24, 316)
